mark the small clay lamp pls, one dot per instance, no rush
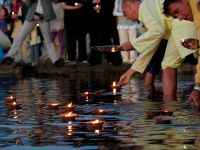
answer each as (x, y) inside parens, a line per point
(69, 107)
(95, 124)
(53, 105)
(13, 105)
(10, 99)
(68, 116)
(99, 112)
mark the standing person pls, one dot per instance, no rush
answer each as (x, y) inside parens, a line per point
(18, 14)
(127, 30)
(75, 27)
(57, 24)
(57, 27)
(102, 31)
(188, 10)
(159, 27)
(35, 45)
(38, 11)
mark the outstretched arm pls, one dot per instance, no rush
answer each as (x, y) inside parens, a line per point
(68, 7)
(126, 77)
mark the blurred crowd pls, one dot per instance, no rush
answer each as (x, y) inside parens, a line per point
(79, 25)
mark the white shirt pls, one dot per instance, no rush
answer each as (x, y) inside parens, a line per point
(39, 8)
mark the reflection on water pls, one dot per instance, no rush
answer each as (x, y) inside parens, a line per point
(125, 124)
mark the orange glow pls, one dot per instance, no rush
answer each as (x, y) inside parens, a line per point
(114, 84)
(69, 105)
(14, 103)
(113, 49)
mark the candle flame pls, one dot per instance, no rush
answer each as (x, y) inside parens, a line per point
(54, 104)
(114, 84)
(69, 105)
(113, 49)
(86, 93)
(68, 114)
(101, 110)
(37, 24)
(96, 121)
(97, 6)
(182, 40)
(14, 103)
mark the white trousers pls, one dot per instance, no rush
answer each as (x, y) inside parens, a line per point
(26, 30)
(126, 35)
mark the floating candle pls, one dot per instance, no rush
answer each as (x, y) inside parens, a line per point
(85, 94)
(10, 99)
(13, 105)
(99, 112)
(95, 124)
(54, 106)
(69, 107)
(68, 116)
(166, 112)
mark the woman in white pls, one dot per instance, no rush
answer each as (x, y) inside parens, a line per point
(127, 30)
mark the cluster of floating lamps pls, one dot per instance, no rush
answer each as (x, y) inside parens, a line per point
(11, 102)
(68, 114)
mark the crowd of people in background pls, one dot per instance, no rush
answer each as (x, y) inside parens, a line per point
(64, 31)
(78, 25)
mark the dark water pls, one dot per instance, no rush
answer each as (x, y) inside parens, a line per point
(126, 126)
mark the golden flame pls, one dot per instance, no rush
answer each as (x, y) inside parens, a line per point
(114, 84)
(97, 5)
(68, 114)
(69, 105)
(14, 103)
(113, 49)
(54, 104)
(86, 93)
(101, 110)
(96, 121)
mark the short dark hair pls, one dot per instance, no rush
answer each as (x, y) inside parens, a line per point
(166, 5)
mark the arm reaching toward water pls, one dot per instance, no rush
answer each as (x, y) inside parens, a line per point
(126, 77)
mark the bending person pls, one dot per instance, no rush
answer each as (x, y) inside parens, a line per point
(158, 27)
